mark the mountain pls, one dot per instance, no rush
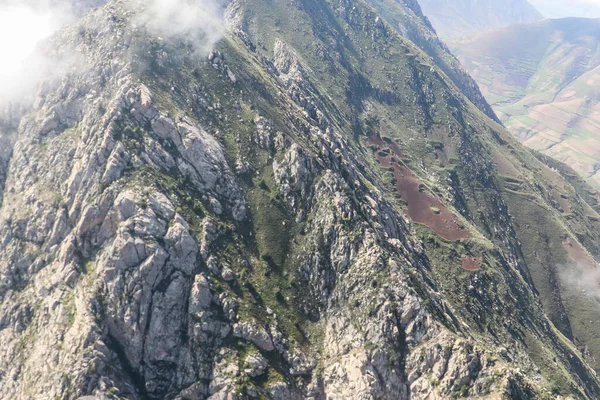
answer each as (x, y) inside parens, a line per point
(454, 18)
(542, 80)
(304, 205)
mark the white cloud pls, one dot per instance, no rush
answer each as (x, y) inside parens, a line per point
(200, 21)
(583, 277)
(23, 26)
(21, 29)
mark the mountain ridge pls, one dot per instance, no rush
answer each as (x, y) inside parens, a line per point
(312, 210)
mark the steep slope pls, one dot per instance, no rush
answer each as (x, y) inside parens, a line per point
(454, 18)
(408, 19)
(542, 80)
(315, 210)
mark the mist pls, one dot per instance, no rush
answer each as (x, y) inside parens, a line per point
(24, 26)
(199, 22)
(584, 277)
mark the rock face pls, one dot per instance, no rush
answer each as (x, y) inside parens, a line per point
(182, 225)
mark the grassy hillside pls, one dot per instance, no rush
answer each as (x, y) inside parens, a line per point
(543, 81)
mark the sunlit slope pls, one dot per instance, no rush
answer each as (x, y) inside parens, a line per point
(544, 83)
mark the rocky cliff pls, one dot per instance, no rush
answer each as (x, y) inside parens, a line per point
(309, 209)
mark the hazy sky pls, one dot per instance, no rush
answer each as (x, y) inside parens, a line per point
(568, 8)
(29, 27)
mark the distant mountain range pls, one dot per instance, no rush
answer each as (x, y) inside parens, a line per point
(454, 18)
(543, 81)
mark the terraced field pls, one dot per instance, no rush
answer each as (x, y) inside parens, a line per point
(543, 81)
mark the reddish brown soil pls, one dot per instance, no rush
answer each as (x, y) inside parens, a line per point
(423, 208)
(471, 263)
(382, 145)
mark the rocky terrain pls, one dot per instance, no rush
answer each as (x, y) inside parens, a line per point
(455, 18)
(318, 205)
(542, 80)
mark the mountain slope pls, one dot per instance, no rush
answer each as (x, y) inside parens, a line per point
(454, 18)
(542, 81)
(313, 210)
(408, 19)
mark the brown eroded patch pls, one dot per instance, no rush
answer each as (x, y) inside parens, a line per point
(423, 208)
(471, 263)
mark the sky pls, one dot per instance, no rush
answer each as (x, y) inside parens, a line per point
(568, 8)
(26, 24)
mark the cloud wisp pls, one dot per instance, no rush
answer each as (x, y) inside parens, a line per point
(584, 277)
(23, 26)
(26, 24)
(199, 22)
